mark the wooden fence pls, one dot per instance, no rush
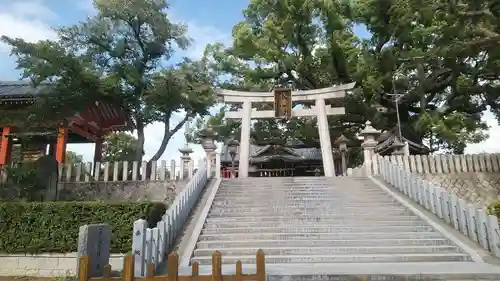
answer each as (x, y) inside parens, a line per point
(173, 270)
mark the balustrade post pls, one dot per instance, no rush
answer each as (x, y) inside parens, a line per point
(172, 170)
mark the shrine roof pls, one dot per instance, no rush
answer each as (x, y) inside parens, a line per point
(256, 152)
(20, 89)
(23, 91)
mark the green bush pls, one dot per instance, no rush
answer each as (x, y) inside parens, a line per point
(494, 209)
(36, 227)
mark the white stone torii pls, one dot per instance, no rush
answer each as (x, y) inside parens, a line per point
(320, 110)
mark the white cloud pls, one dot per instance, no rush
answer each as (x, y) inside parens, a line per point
(29, 20)
(201, 36)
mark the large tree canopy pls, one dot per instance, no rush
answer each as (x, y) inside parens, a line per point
(438, 54)
(118, 54)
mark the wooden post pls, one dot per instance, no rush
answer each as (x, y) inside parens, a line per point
(5, 146)
(173, 267)
(62, 139)
(195, 270)
(83, 268)
(239, 271)
(128, 268)
(217, 266)
(261, 265)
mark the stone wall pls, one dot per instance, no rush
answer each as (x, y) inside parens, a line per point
(47, 265)
(123, 190)
(479, 187)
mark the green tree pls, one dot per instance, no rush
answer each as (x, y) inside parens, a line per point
(431, 48)
(73, 158)
(119, 147)
(305, 43)
(417, 48)
(116, 55)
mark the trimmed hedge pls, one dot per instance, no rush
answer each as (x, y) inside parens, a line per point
(52, 227)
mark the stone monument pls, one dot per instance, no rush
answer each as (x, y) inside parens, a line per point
(94, 241)
(47, 175)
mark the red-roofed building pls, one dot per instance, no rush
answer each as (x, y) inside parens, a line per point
(91, 124)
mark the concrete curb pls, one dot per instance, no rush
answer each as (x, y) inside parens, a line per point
(191, 245)
(404, 201)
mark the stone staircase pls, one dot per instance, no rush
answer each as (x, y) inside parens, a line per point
(317, 220)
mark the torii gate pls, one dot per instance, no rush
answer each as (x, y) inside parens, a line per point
(282, 99)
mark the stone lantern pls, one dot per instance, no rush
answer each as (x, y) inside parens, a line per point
(341, 142)
(232, 149)
(185, 162)
(208, 136)
(369, 135)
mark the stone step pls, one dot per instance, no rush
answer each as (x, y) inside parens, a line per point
(334, 199)
(253, 191)
(322, 236)
(320, 209)
(313, 203)
(401, 271)
(251, 202)
(299, 228)
(310, 181)
(280, 251)
(329, 194)
(292, 223)
(326, 218)
(312, 213)
(313, 195)
(301, 206)
(316, 186)
(216, 244)
(250, 259)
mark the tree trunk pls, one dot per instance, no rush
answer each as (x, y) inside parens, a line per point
(167, 135)
(140, 142)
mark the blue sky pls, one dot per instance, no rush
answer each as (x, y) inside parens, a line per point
(208, 22)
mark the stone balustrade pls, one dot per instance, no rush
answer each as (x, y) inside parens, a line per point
(470, 219)
(151, 245)
(123, 171)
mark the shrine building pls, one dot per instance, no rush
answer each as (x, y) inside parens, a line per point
(280, 160)
(89, 125)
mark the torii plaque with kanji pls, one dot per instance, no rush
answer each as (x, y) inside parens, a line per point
(283, 103)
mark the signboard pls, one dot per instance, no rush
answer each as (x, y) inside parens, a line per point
(283, 103)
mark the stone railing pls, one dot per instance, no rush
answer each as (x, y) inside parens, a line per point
(474, 178)
(123, 180)
(123, 171)
(440, 163)
(471, 220)
(151, 245)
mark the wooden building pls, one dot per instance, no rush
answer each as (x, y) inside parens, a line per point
(279, 160)
(388, 142)
(91, 124)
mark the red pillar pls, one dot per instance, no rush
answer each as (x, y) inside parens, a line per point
(62, 139)
(5, 146)
(98, 150)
